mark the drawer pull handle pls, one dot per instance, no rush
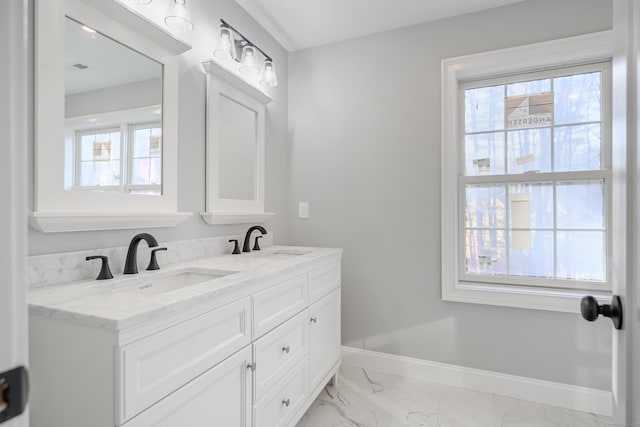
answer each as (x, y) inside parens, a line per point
(314, 320)
(286, 402)
(286, 349)
(252, 366)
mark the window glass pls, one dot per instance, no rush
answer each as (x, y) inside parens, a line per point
(484, 109)
(540, 215)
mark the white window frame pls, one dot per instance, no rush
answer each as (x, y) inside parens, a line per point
(126, 121)
(523, 59)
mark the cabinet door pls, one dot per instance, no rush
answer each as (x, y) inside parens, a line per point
(324, 337)
(219, 397)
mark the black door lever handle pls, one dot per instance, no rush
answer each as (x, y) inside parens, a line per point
(590, 310)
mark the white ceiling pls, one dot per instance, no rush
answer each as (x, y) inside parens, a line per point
(108, 62)
(298, 24)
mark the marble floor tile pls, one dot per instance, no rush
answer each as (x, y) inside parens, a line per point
(367, 398)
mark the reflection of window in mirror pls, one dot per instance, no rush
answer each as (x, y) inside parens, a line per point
(96, 162)
(113, 97)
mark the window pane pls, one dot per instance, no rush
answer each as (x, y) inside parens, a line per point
(140, 173)
(484, 154)
(531, 253)
(580, 205)
(486, 206)
(581, 255)
(141, 143)
(99, 157)
(531, 206)
(156, 171)
(577, 98)
(87, 177)
(86, 147)
(484, 109)
(529, 150)
(578, 148)
(485, 251)
(102, 171)
(529, 88)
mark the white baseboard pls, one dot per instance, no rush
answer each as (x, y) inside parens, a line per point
(551, 393)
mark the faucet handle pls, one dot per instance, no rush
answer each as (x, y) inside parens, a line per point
(256, 246)
(236, 248)
(105, 271)
(153, 262)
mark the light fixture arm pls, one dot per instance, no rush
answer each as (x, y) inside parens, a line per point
(225, 24)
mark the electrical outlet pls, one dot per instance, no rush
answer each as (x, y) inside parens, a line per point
(303, 210)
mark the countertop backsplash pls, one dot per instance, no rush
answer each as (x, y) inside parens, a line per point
(51, 269)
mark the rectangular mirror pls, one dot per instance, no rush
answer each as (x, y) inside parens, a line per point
(106, 118)
(235, 149)
(113, 115)
(238, 149)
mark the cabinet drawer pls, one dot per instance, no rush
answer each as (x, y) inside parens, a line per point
(278, 303)
(284, 400)
(278, 351)
(323, 280)
(157, 365)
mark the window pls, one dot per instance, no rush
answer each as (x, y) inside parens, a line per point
(99, 164)
(530, 169)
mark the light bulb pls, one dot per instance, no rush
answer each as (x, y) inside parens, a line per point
(178, 17)
(269, 77)
(225, 42)
(249, 65)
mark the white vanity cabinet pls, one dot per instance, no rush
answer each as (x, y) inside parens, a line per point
(258, 360)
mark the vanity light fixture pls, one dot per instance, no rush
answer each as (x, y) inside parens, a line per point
(140, 1)
(178, 17)
(233, 46)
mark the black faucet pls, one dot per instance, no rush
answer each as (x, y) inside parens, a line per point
(247, 237)
(131, 263)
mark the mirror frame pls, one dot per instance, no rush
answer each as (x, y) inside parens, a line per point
(222, 83)
(54, 208)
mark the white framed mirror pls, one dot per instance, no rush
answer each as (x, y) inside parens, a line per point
(106, 126)
(235, 149)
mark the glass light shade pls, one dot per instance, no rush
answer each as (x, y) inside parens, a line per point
(225, 44)
(249, 65)
(269, 77)
(178, 17)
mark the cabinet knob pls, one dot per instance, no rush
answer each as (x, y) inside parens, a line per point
(286, 349)
(314, 320)
(286, 402)
(252, 366)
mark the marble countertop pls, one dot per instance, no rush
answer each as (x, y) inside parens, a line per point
(117, 304)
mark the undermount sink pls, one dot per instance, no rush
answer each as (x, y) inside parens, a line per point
(172, 281)
(283, 253)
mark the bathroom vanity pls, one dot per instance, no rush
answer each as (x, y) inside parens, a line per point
(230, 340)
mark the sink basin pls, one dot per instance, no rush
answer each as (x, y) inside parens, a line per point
(172, 281)
(283, 253)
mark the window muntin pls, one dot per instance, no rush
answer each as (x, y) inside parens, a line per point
(535, 186)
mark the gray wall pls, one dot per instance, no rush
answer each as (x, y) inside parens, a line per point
(191, 167)
(115, 98)
(364, 141)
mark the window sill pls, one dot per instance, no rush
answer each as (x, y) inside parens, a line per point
(64, 222)
(561, 300)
